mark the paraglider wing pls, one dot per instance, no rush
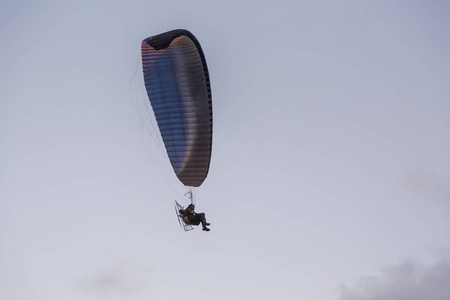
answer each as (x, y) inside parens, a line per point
(177, 82)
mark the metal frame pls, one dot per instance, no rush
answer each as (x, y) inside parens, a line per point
(186, 227)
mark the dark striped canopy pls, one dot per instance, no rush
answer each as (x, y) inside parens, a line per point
(177, 82)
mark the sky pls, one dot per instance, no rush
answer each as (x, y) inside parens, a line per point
(329, 176)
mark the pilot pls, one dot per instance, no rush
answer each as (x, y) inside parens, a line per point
(190, 217)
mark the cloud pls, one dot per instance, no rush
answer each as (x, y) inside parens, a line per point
(406, 281)
(123, 280)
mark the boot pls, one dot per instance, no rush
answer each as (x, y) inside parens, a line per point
(206, 229)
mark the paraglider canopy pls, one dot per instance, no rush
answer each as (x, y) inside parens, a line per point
(177, 82)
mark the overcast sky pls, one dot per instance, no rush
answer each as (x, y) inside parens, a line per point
(330, 168)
